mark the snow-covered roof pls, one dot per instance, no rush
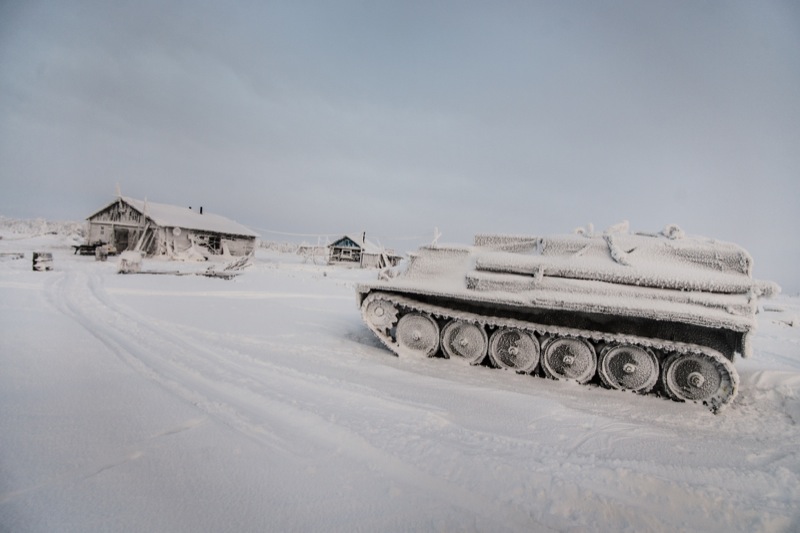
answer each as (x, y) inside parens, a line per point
(365, 245)
(174, 216)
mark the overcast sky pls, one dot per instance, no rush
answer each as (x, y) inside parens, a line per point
(397, 117)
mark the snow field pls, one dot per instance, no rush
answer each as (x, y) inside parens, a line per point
(185, 403)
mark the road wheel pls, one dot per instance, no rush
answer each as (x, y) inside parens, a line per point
(417, 335)
(464, 341)
(628, 367)
(514, 349)
(568, 358)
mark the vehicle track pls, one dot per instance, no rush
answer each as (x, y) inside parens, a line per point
(724, 395)
(270, 404)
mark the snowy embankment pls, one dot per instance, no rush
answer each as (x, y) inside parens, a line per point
(186, 403)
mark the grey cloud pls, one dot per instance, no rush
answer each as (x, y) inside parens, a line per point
(398, 117)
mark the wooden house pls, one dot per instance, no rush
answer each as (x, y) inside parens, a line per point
(168, 230)
(360, 252)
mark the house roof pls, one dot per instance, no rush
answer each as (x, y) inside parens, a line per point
(172, 216)
(366, 246)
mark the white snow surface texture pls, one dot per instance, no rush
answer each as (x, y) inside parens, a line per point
(187, 403)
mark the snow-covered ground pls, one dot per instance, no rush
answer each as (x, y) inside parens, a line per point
(188, 403)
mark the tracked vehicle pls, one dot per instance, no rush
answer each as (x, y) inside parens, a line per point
(662, 313)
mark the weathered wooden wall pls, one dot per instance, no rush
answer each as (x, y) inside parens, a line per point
(122, 226)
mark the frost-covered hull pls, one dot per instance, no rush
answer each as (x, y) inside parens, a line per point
(634, 312)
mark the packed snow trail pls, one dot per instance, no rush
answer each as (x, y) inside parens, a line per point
(271, 404)
(132, 402)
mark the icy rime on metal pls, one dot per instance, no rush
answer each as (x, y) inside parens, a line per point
(640, 312)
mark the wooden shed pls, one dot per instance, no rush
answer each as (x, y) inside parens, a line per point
(361, 252)
(168, 230)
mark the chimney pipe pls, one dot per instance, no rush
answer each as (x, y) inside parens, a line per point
(201, 209)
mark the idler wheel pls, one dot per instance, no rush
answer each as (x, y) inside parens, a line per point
(514, 349)
(465, 341)
(568, 358)
(700, 377)
(417, 335)
(628, 367)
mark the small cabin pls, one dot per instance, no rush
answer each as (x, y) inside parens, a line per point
(168, 230)
(349, 250)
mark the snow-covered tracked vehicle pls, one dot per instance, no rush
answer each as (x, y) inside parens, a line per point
(640, 312)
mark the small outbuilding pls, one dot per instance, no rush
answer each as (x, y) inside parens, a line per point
(168, 230)
(354, 251)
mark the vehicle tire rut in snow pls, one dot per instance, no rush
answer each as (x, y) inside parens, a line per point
(275, 405)
(334, 400)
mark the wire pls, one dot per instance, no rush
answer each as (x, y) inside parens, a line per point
(296, 234)
(328, 235)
